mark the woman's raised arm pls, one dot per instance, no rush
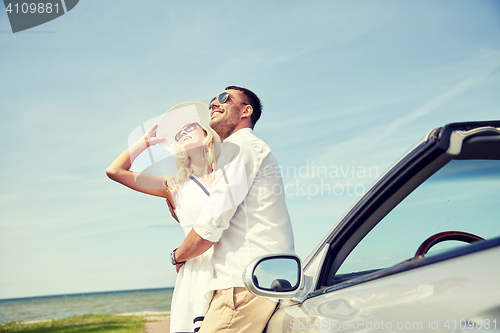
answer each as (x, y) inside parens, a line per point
(119, 169)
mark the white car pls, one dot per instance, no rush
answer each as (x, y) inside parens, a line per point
(418, 252)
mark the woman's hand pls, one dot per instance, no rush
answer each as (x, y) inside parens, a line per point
(150, 137)
(172, 211)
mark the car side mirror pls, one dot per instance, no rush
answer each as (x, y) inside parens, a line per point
(275, 276)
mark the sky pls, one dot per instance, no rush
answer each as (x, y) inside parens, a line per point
(347, 88)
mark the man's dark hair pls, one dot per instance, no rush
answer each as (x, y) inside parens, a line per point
(254, 101)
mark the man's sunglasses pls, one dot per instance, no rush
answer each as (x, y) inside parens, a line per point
(223, 99)
(189, 128)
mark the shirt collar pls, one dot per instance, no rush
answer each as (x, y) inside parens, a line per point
(240, 132)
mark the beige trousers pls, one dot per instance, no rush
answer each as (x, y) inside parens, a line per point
(237, 310)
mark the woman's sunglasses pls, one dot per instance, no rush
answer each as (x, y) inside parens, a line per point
(187, 129)
(222, 98)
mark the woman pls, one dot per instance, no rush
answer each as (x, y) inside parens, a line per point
(185, 132)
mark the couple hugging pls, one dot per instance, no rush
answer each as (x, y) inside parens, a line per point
(227, 196)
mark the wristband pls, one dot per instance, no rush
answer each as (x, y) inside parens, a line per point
(172, 258)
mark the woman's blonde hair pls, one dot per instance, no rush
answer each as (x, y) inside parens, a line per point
(210, 154)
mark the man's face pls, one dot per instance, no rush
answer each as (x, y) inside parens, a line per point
(226, 116)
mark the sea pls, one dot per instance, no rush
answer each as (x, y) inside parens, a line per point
(62, 306)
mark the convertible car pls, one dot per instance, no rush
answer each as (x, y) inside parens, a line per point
(418, 252)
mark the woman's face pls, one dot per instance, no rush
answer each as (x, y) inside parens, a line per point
(191, 139)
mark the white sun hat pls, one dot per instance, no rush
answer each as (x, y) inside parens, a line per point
(179, 116)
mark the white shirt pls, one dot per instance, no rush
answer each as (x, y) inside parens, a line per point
(246, 215)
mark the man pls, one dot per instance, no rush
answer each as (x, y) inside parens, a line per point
(246, 216)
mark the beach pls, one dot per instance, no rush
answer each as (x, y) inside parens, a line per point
(148, 308)
(64, 306)
(157, 322)
(147, 321)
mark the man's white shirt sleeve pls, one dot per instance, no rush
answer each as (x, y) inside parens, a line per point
(229, 190)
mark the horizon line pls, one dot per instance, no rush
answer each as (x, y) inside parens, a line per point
(83, 293)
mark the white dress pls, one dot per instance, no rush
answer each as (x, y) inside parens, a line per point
(191, 295)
